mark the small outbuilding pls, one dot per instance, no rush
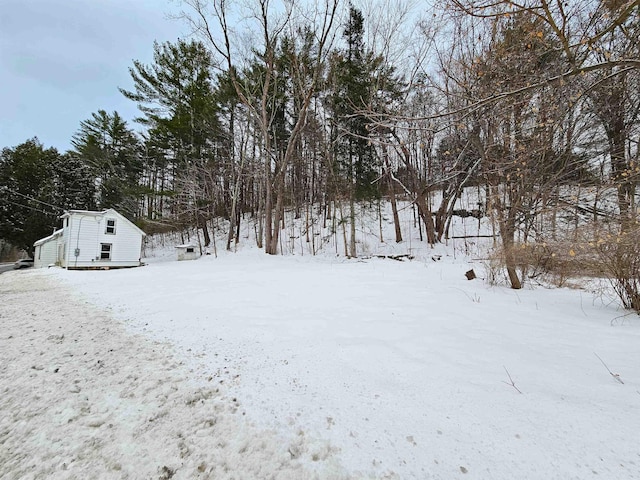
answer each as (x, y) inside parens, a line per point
(187, 252)
(47, 250)
(91, 240)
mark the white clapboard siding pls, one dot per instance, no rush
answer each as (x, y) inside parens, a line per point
(84, 232)
(46, 250)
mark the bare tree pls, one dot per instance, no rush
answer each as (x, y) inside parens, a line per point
(273, 20)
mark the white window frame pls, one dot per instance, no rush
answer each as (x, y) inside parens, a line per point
(109, 251)
(110, 227)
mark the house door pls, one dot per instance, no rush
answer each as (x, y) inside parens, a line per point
(60, 254)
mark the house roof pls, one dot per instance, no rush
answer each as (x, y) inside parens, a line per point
(55, 234)
(108, 211)
(69, 213)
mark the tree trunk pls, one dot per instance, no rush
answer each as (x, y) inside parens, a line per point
(394, 209)
(625, 187)
(352, 221)
(237, 183)
(425, 213)
(392, 193)
(270, 246)
(611, 107)
(507, 235)
(510, 263)
(380, 220)
(205, 230)
(260, 217)
(232, 218)
(344, 231)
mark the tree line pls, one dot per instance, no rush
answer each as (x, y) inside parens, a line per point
(277, 106)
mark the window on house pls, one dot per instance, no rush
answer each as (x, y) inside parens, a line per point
(111, 226)
(105, 251)
(190, 250)
(66, 222)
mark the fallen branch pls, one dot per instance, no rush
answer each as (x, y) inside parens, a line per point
(400, 258)
(615, 320)
(472, 236)
(510, 382)
(614, 375)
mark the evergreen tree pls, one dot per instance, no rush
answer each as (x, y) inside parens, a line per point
(36, 185)
(352, 84)
(112, 152)
(359, 84)
(75, 183)
(176, 94)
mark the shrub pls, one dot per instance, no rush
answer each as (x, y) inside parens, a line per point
(620, 259)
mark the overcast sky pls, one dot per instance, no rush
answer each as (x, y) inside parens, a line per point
(61, 60)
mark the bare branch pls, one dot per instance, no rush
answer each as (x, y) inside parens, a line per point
(510, 382)
(614, 375)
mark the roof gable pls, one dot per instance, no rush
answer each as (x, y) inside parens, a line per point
(111, 211)
(103, 213)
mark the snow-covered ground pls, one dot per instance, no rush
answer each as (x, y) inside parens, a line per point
(250, 366)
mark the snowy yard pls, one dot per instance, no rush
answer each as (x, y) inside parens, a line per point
(250, 366)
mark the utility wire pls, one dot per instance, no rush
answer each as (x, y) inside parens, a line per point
(28, 206)
(33, 199)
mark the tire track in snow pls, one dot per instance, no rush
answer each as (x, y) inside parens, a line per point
(83, 398)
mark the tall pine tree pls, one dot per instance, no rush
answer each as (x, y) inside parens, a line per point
(352, 91)
(176, 94)
(112, 152)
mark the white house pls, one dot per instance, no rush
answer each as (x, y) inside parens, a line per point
(91, 240)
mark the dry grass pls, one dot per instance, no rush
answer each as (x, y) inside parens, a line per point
(558, 263)
(564, 263)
